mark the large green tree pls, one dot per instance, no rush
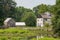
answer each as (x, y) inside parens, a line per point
(56, 23)
(56, 18)
(25, 15)
(40, 9)
(7, 8)
(29, 18)
(19, 13)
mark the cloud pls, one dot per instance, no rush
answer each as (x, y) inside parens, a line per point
(33, 3)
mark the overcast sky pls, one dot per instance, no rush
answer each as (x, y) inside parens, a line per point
(32, 3)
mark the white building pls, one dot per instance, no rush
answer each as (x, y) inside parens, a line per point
(43, 18)
(40, 21)
(20, 24)
(9, 22)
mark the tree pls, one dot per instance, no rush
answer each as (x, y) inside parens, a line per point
(40, 9)
(56, 23)
(29, 18)
(25, 15)
(58, 2)
(19, 13)
(7, 8)
(47, 27)
(56, 18)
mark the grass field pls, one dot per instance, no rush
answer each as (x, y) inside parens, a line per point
(46, 38)
(17, 33)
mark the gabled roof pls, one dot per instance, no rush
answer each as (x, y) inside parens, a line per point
(7, 19)
(44, 15)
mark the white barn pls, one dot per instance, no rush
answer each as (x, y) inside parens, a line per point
(20, 24)
(9, 22)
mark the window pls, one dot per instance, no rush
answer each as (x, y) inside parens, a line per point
(39, 24)
(38, 20)
(45, 19)
(41, 19)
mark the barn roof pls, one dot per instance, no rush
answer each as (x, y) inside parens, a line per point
(7, 19)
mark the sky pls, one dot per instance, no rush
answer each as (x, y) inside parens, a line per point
(32, 3)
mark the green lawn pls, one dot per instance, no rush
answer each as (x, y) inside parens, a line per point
(17, 33)
(46, 38)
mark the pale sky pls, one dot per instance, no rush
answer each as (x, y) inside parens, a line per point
(32, 3)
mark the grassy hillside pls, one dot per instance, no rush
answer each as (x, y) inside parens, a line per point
(18, 33)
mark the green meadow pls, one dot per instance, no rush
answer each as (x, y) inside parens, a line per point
(18, 33)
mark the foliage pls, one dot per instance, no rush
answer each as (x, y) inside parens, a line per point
(40, 9)
(56, 23)
(56, 19)
(19, 13)
(7, 8)
(29, 18)
(25, 15)
(57, 2)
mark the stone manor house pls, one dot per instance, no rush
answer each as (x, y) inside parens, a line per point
(43, 18)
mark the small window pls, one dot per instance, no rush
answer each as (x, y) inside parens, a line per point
(45, 19)
(38, 20)
(41, 19)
